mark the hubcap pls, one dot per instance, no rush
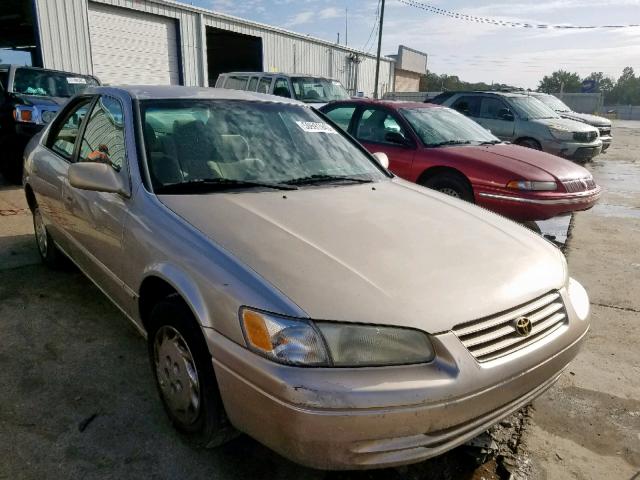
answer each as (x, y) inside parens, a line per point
(177, 374)
(41, 233)
(449, 191)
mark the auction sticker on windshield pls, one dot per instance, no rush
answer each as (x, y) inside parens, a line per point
(316, 127)
(76, 80)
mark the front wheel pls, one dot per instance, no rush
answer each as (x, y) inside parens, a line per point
(183, 371)
(450, 184)
(529, 143)
(50, 255)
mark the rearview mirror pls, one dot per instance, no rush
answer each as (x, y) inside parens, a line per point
(505, 114)
(382, 159)
(97, 177)
(395, 137)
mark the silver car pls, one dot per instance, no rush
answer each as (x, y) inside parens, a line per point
(526, 121)
(602, 124)
(289, 286)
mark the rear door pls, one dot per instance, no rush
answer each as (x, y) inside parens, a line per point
(493, 116)
(381, 130)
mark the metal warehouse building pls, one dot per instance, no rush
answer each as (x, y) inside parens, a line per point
(165, 42)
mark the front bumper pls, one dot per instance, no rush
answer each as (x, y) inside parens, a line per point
(606, 143)
(573, 150)
(378, 417)
(531, 207)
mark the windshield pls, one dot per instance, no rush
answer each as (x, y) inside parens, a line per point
(188, 141)
(531, 108)
(553, 102)
(318, 90)
(437, 126)
(31, 81)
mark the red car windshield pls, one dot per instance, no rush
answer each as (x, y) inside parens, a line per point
(441, 126)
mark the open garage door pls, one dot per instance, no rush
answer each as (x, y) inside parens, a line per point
(129, 47)
(232, 52)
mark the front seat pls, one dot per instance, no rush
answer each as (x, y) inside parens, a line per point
(194, 149)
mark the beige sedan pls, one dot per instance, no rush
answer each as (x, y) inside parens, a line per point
(289, 286)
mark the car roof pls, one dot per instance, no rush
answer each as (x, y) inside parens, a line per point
(30, 67)
(487, 92)
(394, 104)
(281, 74)
(152, 92)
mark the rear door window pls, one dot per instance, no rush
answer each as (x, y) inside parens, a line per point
(468, 105)
(253, 83)
(264, 85)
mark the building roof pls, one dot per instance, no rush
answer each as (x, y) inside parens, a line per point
(148, 92)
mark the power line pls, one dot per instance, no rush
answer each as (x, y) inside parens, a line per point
(504, 23)
(373, 29)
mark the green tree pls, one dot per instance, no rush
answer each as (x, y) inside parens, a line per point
(605, 84)
(627, 89)
(568, 82)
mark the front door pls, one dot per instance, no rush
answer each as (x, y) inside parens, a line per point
(496, 116)
(97, 218)
(380, 131)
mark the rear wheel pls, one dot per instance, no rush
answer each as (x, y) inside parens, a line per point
(50, 255)
(529, 143)
(182, 367)
(451, 184)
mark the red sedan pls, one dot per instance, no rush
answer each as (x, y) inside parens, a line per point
(441, 149)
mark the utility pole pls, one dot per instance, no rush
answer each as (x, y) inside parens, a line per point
(346, 27)
(338, 42)
(375, 88)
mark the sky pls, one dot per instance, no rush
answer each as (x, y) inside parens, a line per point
(475, 52)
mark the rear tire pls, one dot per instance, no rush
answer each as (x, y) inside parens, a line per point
(529, 143)
(451, 184)
(50, 254)
(184, 375)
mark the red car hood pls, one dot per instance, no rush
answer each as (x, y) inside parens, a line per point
(529, 163)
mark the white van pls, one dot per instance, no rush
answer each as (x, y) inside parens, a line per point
(310, 89)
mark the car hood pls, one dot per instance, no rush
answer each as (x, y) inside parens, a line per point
(392, 254)
(525, 163)
(592, 120)
(571, 125)
(41, 101)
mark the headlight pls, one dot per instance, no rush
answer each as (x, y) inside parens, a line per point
(47, 116)
(25, 114)
(579, 299)
(306, 343)
(560, 133)
(532, 185)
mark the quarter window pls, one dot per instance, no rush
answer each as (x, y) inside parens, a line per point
(342, 116)
(64, 135)
(378, 126)
(103, 139)
(467, 105)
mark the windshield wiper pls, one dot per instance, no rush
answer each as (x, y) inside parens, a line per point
(449, 142)
(490, 142)
(209, 184)
(321, 177)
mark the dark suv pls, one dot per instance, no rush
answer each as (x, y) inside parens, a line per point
(29, 99)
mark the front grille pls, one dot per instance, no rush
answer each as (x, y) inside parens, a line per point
(605, 131)
(585, 136)
(493, 337)
(579, 185)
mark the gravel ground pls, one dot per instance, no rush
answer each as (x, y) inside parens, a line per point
(77, 399)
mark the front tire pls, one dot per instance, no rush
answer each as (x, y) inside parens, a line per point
(451, 184)
(529, 143)
(183, 371)
(50, 255)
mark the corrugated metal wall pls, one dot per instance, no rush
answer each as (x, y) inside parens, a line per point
(64, 36)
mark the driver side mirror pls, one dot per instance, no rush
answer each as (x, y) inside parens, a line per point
(395, 137)
(382, 159)
(506, 114)
(97, 177)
